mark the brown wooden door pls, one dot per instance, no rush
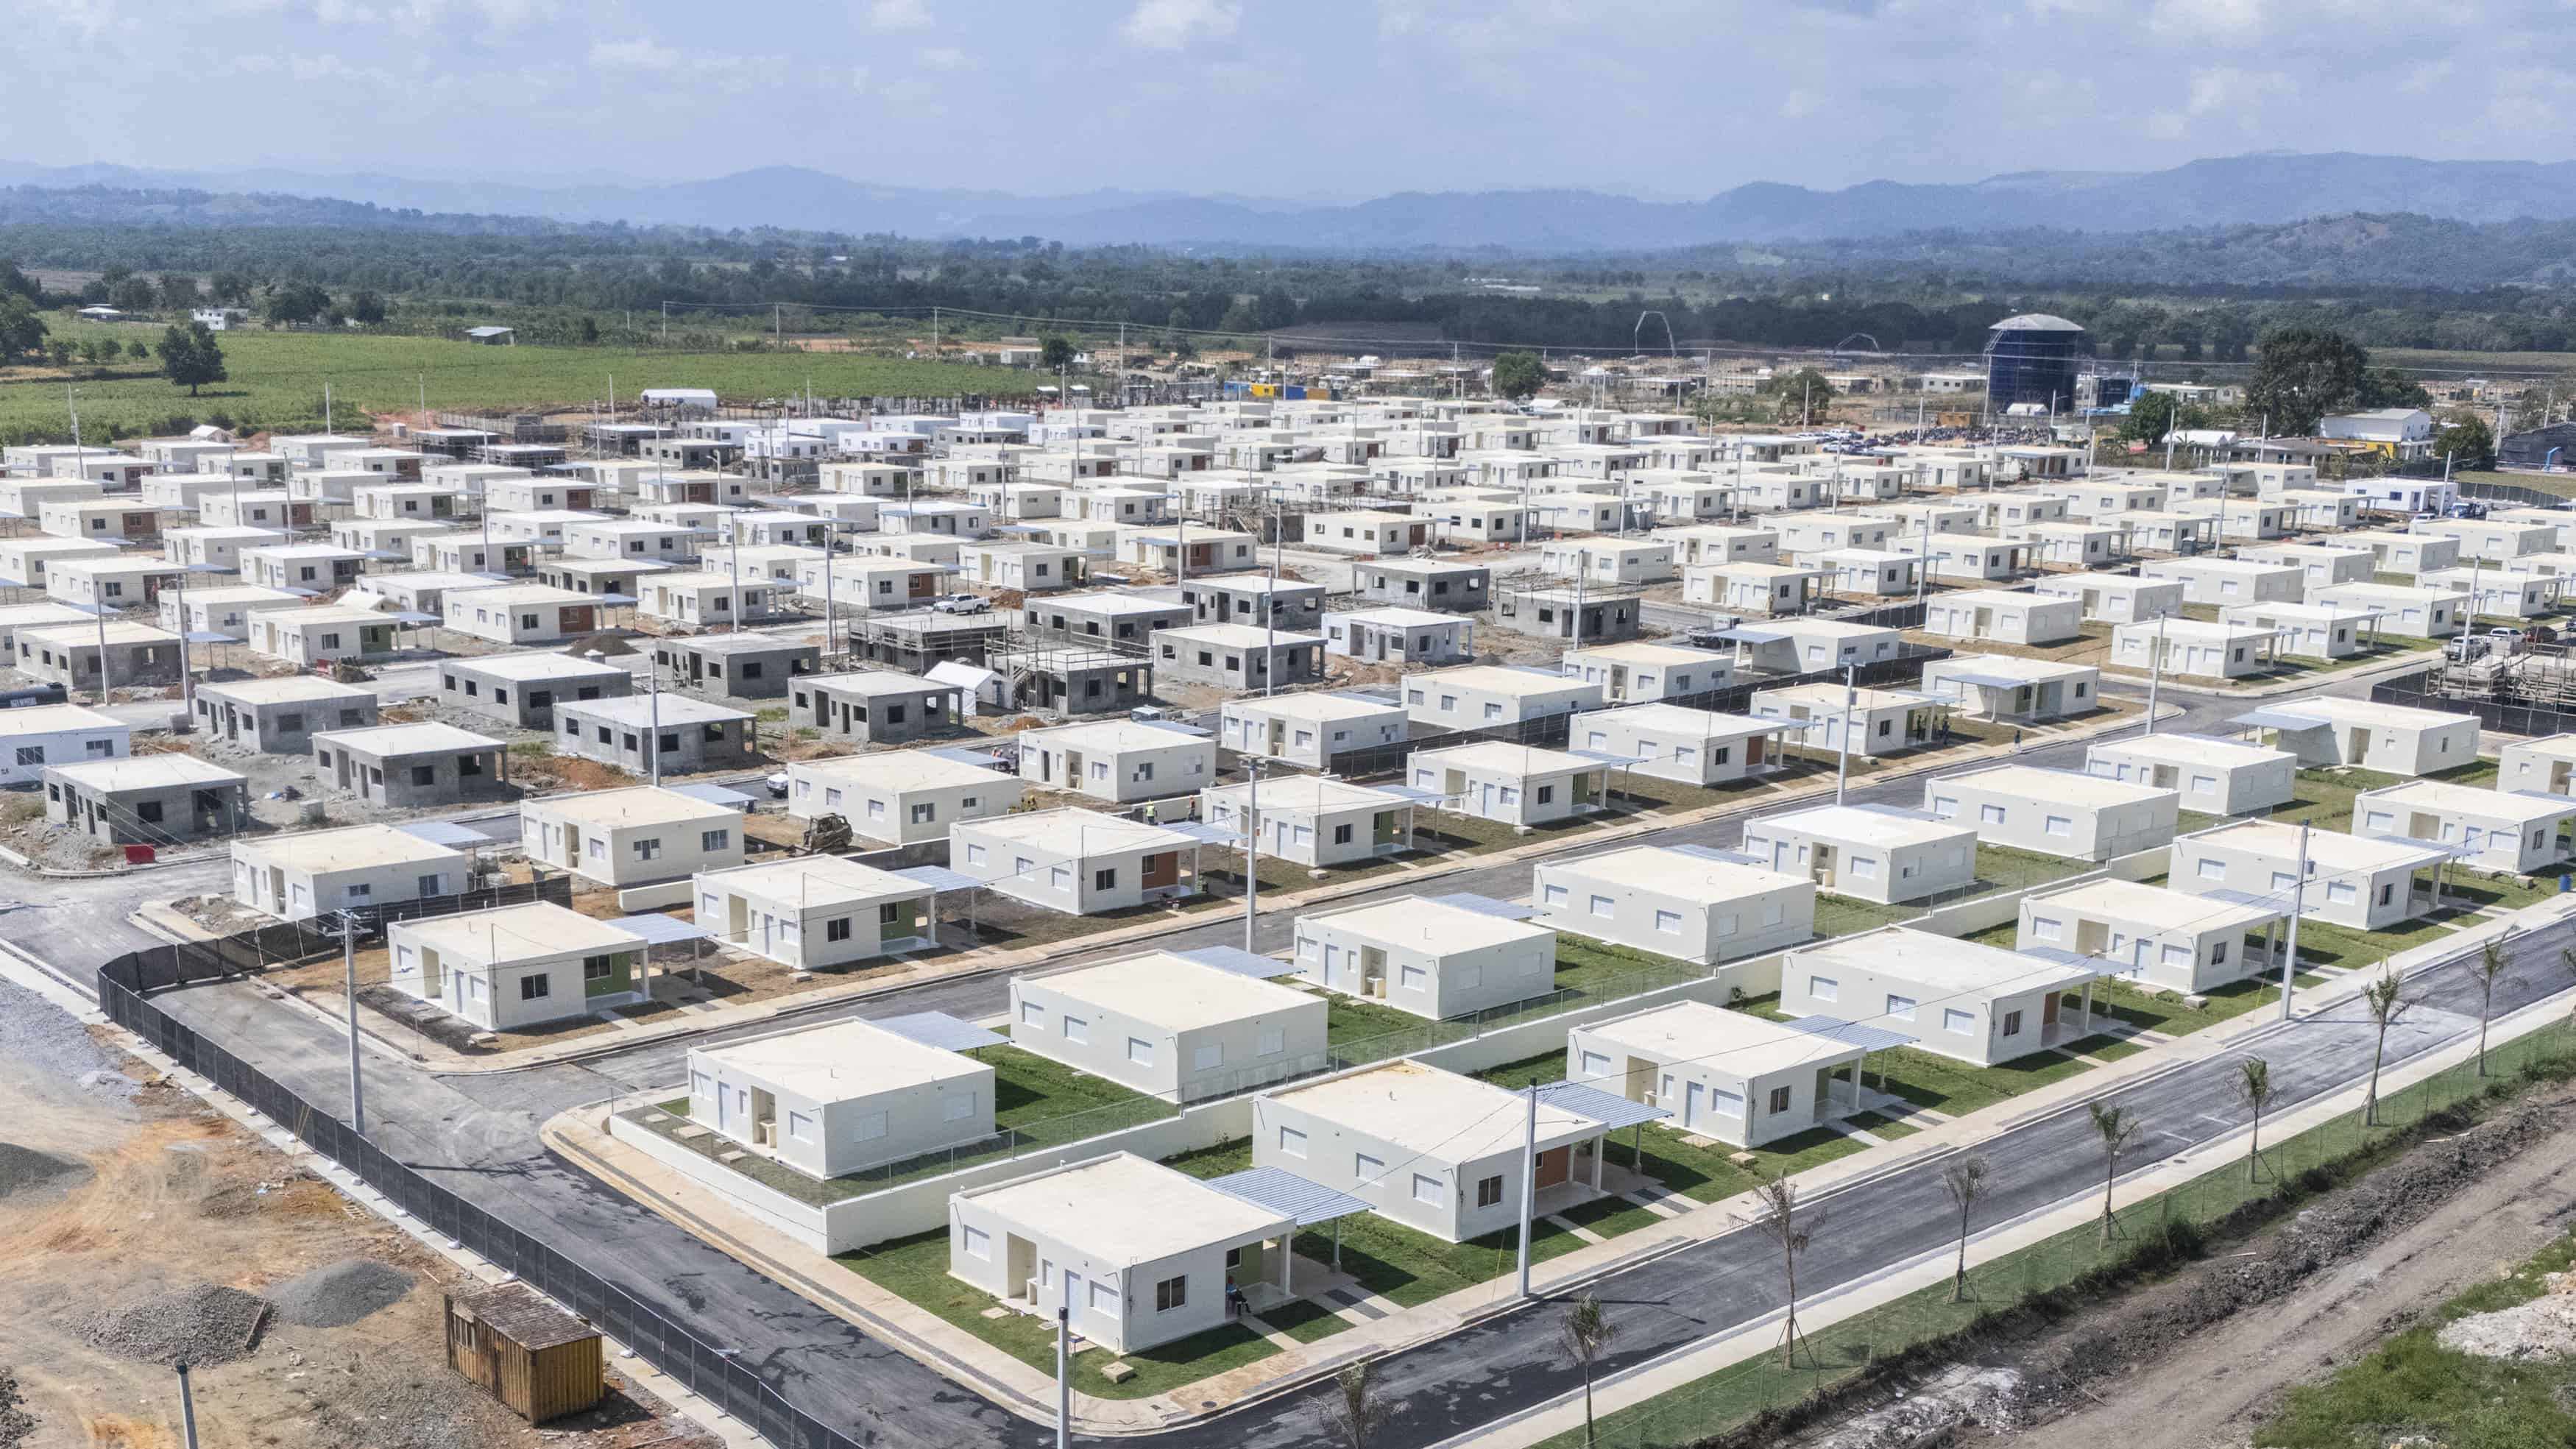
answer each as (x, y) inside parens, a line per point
(1161, 870)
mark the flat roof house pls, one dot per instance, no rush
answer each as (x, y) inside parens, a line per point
(671, 732)
(2515, 830)
(1511, 784)
(2003, 616)
(1472, 696)
(903, 798)
(404, 766)
(1309, 729)
(309, 873)
(1875, 721)
(875, 706)
(1433, 956)
(2500, 592)
(318, 567)
(1119, 760)
(280, 716)
(1313, 820)
(320, 635)
(1671, 742)
(2214, 776)
(2193, 648)
(159, 800)
(2362, 882)
(522, 613)
(2405, 553)
(2324, 729)
(2319, 565)
(1136, 1253)
(631, 837)
(1449, 585)
(138, 655)
(835, 1099)
(1713, 543)
(1644, 672)
(2004, 686)
(2166, 940)
(34, 736)
(1868, 852)
(2223, 581)
(1405, 636)
(1750, 587)
(2308, 631)
(1080, 862)
(1977, 1004)
(1437, 1152)
(2546, 765)
(2056, 812)
(1725, 1074)
(1169, 1026)
(2492, 539)
(517, 966)
(1116, 617)
(2413, 613)
(1685, 902)
(523, 689)
(1967, 557)
(815, 912)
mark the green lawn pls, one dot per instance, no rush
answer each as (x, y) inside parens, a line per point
(916, 1269)
(276, 378)
(2103, 1047)
(1543, 1067)
(2435, 1396)
(2142, 1008)
(1880, 1126)
(1036, 1103)
(1953, 1088)
(1703, 1174)
(1597, 968)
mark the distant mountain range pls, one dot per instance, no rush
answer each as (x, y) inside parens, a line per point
(2229, 191)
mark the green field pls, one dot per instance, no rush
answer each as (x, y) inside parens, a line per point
(276, 380)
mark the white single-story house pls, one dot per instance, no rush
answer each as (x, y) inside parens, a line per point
(304, 874)
(2114, 598)
(2359, 881)
(1511, 784)
(1435, 956)
(1169, 1025)
(2320, 565)
(1977, 1004)
(2308, 631)
(1475, 695)
(2056, 812)
(1122, 761)
(1642, 671)
(1692, 746)
(2194, 648)
(1876, 721)
(2222, 581)
(1309, 729)
(2416, 613)
(1686, 902)
(35, 736)
(2006, 686)
(1412, 636)
(1877, 853)
(841, 1097)
(631, 837)
(2515, 830)
(901, 797)
(2163, 939)
(2394, 739)
(1080, 862)
(2547, 765)
(2214, 776)
(517, 966)
(2003, 616)
(815, 912)
(1739, 1078)
(1313, 820)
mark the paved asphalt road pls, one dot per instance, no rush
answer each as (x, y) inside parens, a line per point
(475, 1134)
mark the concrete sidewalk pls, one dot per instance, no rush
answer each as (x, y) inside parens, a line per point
(408, 1040)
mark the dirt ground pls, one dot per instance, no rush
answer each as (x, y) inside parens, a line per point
(174, 1194)
(2221, 1383)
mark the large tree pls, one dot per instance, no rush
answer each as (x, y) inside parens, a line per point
(21, 330)
(1056, 353)
(2151, 416)
(296, 302)
(1518, 375)
(2301, 374)
(2467, 440)
(190, 356)
(1805, 396)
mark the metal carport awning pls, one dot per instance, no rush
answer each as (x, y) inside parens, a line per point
(713, 795)
(939, 1029)
(1487, 906)
(938, 877)
(1609, 1109)
(445, 832)
(1206, 834)
(1852, 1033)
(657, 929)
(1304, 1203)
(2280, 719)
(1723, 857)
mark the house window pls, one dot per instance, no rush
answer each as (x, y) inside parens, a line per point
(714, 840)
(1105, 879)
(1900, 1008)
(1824, 988)
(1292, 1143)
(534, 988)
(1990, 814)
(2044, 929)
(976, 1242)
(1489, 1191)
(1602, 906)
(597, 968)
(1962, 1022)
(647, 848)
(1779, 1100)
(956, 1106)
(1272, 1041)
(837, 930)
(1171, 1293)
(1428, 1189)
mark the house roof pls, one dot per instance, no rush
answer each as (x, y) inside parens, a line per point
(1430, 924)
(1124, 1209)
(387, 741)
(1733, 1041)
(842, 1061)
(815, 881)
(1940, 963)
(1075, 834)
(516, 933)
(1177, 994)
(1433, 1116)
(145, 772)
(639, 805)
(354, 847)
(1683, 874)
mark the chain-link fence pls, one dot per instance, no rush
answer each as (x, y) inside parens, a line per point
(2411, 690)
(1829, 1357)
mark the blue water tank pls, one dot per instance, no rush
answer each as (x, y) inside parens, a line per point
(2031, 359)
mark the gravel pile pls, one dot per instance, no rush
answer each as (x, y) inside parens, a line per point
(204, 1323)
(34, 1032)
(2541, 1331)
(338, 1294)
(17, 1426)
(1990, 1398)
(382, 1403)
(24, 1169)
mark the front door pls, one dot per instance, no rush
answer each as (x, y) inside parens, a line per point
(1694, 1105)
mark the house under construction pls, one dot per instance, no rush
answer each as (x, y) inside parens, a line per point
(1574, 611)
(916, 640)
(1046, 674)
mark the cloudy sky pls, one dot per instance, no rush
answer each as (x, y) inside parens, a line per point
(1304, 99)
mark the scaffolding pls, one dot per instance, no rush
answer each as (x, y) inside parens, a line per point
(916, 640)
(1577, 611)
(1047, 674)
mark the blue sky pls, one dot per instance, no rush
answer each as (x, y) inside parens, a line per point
(1308, 99)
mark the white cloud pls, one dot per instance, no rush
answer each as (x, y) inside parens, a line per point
(1175, 24)
(640, 53)
(940, 57)
(898, 15)
(92, 18)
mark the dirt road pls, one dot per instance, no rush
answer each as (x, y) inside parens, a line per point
(2212, 1394)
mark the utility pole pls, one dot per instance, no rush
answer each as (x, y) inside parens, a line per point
(187, 1409)
(349, 990)
(2298, 900)
(653, 740)
(2155, 672)
(1842, 755)
(1063, 1370)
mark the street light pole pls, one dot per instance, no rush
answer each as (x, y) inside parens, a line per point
(1842, 755)
(1529, 1184)
(2155, 672)
(349, 990)
(2298, 899)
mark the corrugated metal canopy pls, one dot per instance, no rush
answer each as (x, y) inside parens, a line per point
(413, 616)
(713, 795)
(1605, 757)
(1850, 1033)
(2249, 900)
(938, 877)
(445, 832)
(660, 930)
(1274, 1189)
(2279, 719)
(939, 1029)
(1414, 793)
(1176, 727)
(2060, 956)
(1239, 961)
(2452, 849)
(1204, 833)
(1984, 680)
(1727, 857)
(963, 756)
(209, 636)
(1741, 634)
(1487, 905)
(615, 600)
(2545, 797)
(1608, 1109)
